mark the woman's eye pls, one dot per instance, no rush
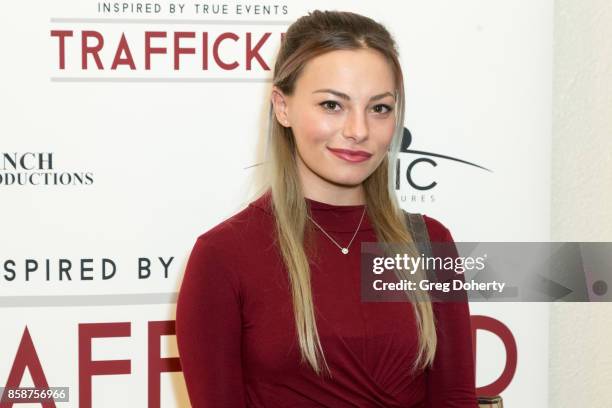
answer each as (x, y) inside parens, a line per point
(332, 105)
(329, 105)
(387, 107)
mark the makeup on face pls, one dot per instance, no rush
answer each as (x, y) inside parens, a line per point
(352, 156)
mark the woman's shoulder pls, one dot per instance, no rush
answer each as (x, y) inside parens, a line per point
(237, 227)
(246, 223)
(438, 232)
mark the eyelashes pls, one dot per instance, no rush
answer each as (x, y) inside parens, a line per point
(326, 105)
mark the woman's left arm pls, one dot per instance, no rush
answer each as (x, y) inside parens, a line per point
(451, 378)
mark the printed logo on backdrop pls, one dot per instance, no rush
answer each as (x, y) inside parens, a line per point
(38, 169)
(414, 189)
(154, 42)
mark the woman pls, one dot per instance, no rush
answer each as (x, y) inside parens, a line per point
(269, 312)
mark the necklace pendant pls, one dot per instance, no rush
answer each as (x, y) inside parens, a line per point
(345, 251)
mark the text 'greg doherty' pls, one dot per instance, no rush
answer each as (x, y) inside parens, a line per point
(410, 263)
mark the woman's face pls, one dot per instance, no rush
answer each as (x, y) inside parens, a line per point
(342, 116)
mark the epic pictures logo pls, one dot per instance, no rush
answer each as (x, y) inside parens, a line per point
(422, 190)
(37, 169)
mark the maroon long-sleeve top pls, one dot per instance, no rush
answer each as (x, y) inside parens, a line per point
(237, 339)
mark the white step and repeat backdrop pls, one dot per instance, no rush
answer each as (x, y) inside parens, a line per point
(127, 129)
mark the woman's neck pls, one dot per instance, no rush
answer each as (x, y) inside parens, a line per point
(336, 195)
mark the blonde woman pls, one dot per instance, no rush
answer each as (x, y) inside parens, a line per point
(269, 313)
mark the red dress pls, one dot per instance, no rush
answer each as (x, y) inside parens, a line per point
(236, 332)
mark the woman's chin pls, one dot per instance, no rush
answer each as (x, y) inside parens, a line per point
(348, 181)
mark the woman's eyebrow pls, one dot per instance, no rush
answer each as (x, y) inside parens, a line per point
(345, 96)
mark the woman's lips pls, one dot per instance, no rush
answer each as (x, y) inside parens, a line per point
(353, 156)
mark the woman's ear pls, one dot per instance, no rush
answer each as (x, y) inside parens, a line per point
(279, 102)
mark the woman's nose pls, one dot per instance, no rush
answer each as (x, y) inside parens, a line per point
(356, 126)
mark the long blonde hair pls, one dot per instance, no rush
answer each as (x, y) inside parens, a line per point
(311, 35)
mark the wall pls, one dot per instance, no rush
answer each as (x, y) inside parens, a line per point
(580, 356)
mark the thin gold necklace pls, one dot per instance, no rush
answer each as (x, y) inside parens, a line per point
(344, 250)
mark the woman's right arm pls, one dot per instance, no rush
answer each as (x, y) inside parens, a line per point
(208, 330)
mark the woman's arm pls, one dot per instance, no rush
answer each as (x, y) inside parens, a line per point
(451, 379)
(208, 330)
